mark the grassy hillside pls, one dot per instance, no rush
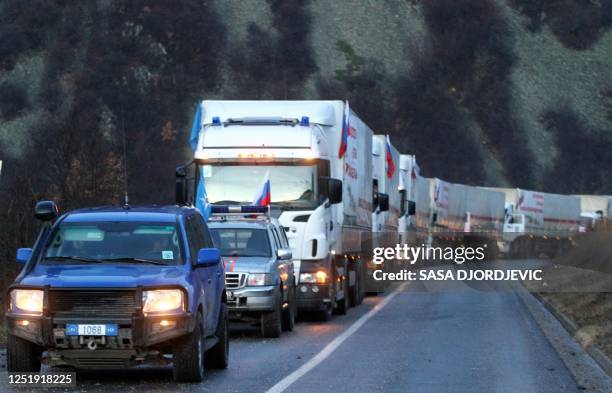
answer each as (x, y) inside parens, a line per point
(496, 92)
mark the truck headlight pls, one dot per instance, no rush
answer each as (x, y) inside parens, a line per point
(165, 301)
(319, 277)
(27, 301)
(256, 279)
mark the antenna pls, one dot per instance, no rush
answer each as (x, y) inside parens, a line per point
(125, 171)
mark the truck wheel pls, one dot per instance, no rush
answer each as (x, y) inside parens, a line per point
(343, 305)
(271, 322)
(22, 355)
(188, 355)
(289, 312)
(355, 291)
(325, 314)
(218, 356)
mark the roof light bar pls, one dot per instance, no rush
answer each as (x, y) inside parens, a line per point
(238, 209)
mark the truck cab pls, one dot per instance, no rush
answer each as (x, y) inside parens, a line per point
(119, 286)
(322, 199)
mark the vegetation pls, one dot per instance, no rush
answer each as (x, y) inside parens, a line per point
(118, 73)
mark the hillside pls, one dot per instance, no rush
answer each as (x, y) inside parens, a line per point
(496, 92)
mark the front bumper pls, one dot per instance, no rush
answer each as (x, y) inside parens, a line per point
(247, 299)
(134, 333)
(312, 297)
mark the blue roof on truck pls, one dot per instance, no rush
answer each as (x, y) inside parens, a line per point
(131, 213)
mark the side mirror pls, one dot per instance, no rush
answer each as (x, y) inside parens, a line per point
(411, 208)
(331, 189)
(46, 211)
(334, 188)
(181, 185)
(23, 255)
(383, 202)
(208, 257)
(284, 254)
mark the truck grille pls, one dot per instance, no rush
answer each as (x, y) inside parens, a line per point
(235, 280)
(92, 303)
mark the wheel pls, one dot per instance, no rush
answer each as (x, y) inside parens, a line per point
(188, 355)
(218, 356)
(343, 305)
(356, 296)
(289, 312)
(325, 314)
(22, 355)
(271, 323)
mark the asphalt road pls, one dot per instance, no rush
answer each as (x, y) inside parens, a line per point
(438, 337)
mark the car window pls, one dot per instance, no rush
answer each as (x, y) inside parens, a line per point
(275, 236)
(241, 242)
(158, 241)
(192, 238)
(283, 237)
(202, 231)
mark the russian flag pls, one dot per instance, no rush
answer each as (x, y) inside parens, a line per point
(390, 163)
(345, 131)
(263, 198)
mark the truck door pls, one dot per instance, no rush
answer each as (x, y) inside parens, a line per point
(204, 275)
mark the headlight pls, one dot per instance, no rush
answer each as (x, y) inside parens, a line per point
(259, 279)
(320, 277)
(27, 301)
(167, 301)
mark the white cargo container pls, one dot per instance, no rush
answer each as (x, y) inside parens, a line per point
(298, 144)
(538, 222)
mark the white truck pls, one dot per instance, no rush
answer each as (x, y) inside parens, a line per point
(409, 170)
(386, 204)
(317, 156)
(458, 214)
(593, 209)
(538, 222)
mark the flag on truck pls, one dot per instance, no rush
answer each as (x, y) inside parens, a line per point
(202, 199)
(416, 170)
(390, 163)
(345, 131)
(195, 127)
(263, 198)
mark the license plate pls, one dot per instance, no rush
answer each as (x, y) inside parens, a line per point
(91, 330)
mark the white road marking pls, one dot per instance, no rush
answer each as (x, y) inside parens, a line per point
(284, 383)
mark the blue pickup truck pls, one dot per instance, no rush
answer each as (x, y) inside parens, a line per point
(111, 287)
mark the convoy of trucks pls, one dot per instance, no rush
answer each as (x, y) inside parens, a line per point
(340, 190)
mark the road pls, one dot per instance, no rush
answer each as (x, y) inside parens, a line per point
(438, 337)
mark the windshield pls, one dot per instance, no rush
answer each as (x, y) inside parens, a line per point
(290, 185)
(133, 242)
(243, 242)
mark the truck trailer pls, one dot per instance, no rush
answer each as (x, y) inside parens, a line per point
(317, 157)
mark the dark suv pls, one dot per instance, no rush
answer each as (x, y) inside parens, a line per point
(119, 286)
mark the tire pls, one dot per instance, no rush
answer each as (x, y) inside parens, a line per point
(22, 355)
(271, 322)
(218, 356)
(343, 305)
(355, 292)
(325, 314)
(188, 355)
(289, 313)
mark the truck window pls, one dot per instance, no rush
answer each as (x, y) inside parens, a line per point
(284, 238)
